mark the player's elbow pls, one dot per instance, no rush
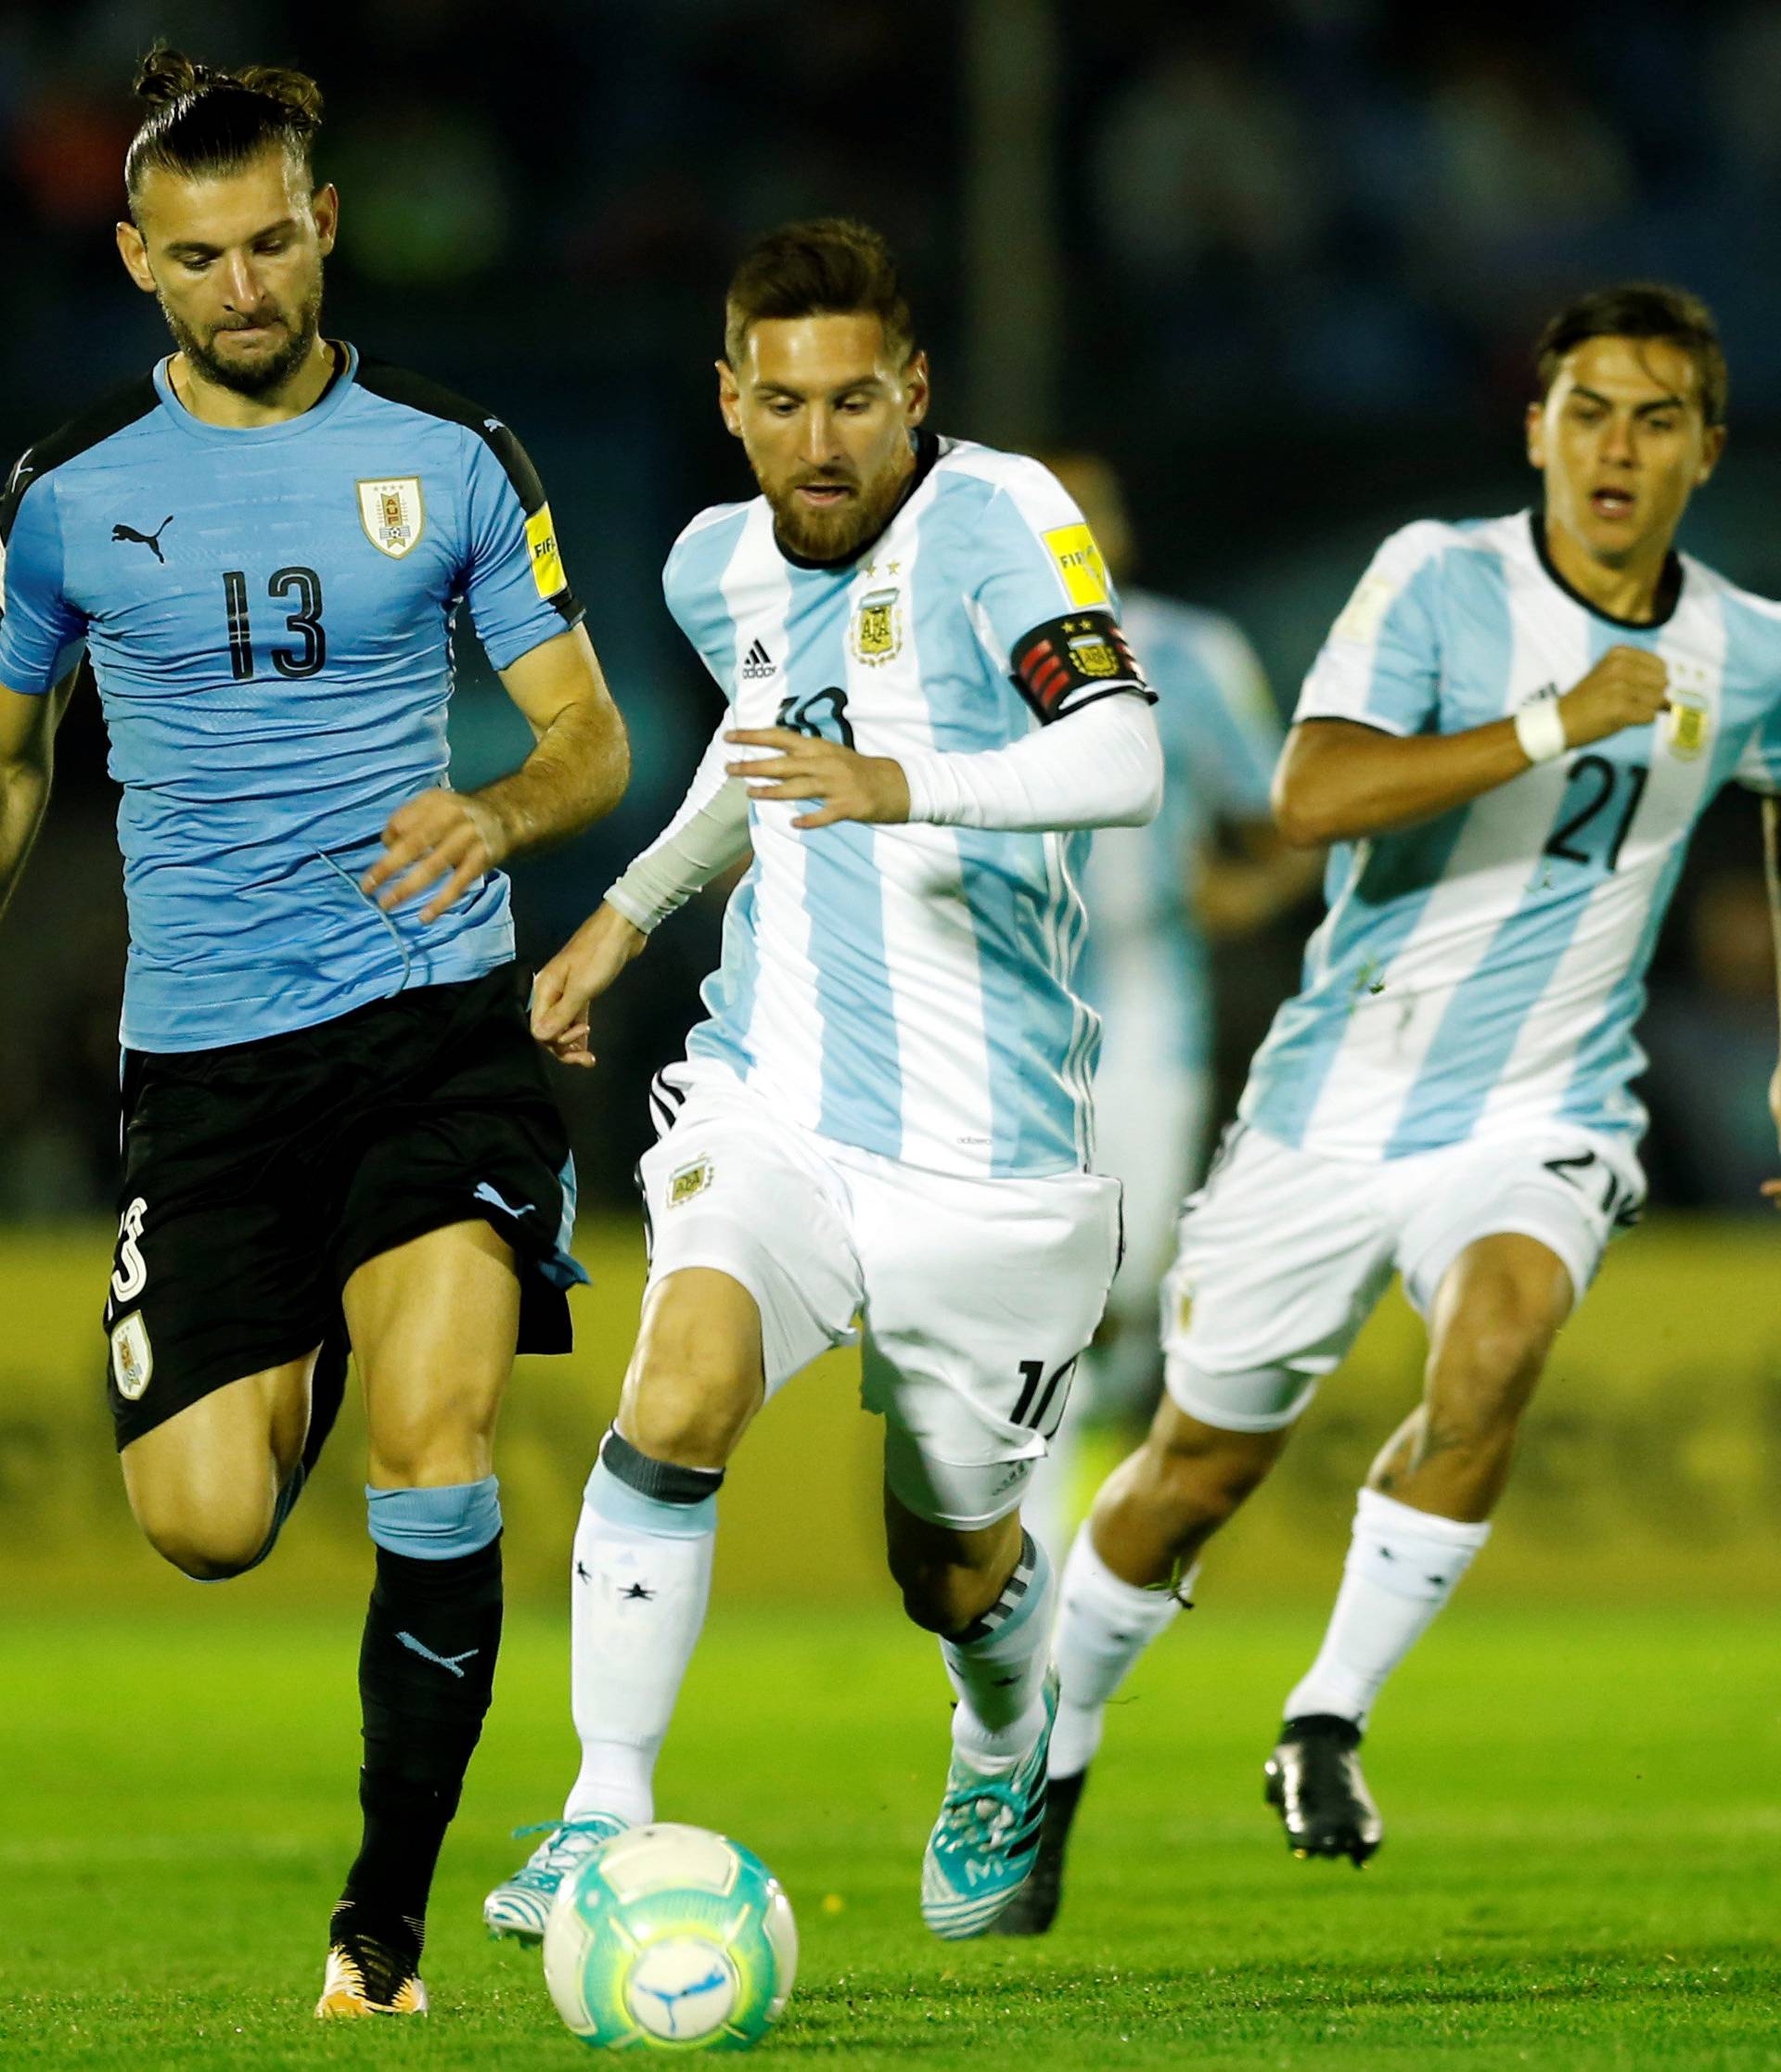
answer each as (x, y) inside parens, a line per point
(1304, 807)
(1130, 726)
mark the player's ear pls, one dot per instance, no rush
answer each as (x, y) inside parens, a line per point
(1712, 446)
(1537, 434)
(917, 390)
(729, 398)
(326, 208)
(132, 249)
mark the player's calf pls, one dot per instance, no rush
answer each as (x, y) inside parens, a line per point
(1162, 1503)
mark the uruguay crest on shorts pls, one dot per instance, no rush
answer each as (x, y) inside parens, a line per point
(392, 514)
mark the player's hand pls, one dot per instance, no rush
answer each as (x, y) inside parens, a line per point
(1625, 688)
(851, 786)
(444, 834)
(1772, 1188)
(580, 972)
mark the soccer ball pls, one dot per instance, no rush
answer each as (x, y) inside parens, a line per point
(671, 1937)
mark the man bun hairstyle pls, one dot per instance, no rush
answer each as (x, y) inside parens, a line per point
(201, 122)
(829, 266)
(1640, 310)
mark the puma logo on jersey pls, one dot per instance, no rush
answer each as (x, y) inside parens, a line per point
(149, 540)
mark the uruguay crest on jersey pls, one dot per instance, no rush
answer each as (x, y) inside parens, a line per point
(392, 514)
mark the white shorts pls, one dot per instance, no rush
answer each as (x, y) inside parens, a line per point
(1284, 1254)
(973, 1297)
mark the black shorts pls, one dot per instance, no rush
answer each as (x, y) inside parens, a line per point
(258, 1177)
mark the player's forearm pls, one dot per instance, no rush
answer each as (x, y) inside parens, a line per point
(708, 835)
(576, 773)
(24, 796)
(1339, 781)
(1102, 767)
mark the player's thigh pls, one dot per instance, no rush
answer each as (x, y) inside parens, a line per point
(1568, 1190)
(215, 1275)
(433, 1325)
(753, 1268)
(1282, 1257)
(203, 1483)
(980, 1297)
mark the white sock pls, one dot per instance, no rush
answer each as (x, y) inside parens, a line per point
(641, 1578)
(1402, 1568)
(1104, 1624)
(997, 1666)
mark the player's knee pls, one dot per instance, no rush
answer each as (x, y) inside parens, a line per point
(419, 1455)
(211, 1550)
(690, 1393)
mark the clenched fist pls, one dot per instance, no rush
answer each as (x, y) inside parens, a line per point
(1625, 688)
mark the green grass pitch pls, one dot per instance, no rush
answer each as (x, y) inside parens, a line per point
(1580, 1871)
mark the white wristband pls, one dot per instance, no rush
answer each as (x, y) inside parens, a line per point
(1540, 728)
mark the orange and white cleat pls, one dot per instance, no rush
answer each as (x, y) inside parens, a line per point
(366, 1977)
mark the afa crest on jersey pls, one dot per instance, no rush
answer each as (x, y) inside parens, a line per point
(1690, 724)
(393, 515)
(688, 1181)
(877, 627)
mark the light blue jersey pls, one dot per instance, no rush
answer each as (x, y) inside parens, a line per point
(910, 989)
(1221, 739)
(1481, 975)
(268, 613)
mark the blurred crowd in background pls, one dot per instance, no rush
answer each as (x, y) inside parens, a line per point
(1302, 247)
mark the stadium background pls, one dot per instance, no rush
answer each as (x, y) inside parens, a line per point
(1281, 264)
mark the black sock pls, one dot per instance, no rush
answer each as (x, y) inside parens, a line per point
(425, 1675)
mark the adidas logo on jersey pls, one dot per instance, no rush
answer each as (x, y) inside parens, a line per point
(758, 663)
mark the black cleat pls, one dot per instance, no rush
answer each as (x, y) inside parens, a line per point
(1314, 1782)
(1034, 1907)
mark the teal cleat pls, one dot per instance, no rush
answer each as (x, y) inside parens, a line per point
(521, 1906)
(986, 1839)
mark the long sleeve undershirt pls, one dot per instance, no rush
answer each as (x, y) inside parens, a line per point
(1100, 767)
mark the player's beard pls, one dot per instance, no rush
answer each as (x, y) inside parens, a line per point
(257, 378)
(839, 534)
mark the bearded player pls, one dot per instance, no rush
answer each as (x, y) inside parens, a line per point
(1509, 737)
(887, 1113)
(336, 1130)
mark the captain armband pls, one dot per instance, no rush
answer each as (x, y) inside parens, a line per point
(1070, 663)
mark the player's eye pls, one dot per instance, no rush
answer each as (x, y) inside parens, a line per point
(1661, 424)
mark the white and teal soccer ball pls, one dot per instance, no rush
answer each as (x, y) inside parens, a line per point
(670, 1938)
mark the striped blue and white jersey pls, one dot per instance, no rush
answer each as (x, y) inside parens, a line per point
(1220, 738)
(1481, 975)
(910, 989)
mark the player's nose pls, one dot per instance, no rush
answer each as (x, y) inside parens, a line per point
(819, 446)
(240, 283)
